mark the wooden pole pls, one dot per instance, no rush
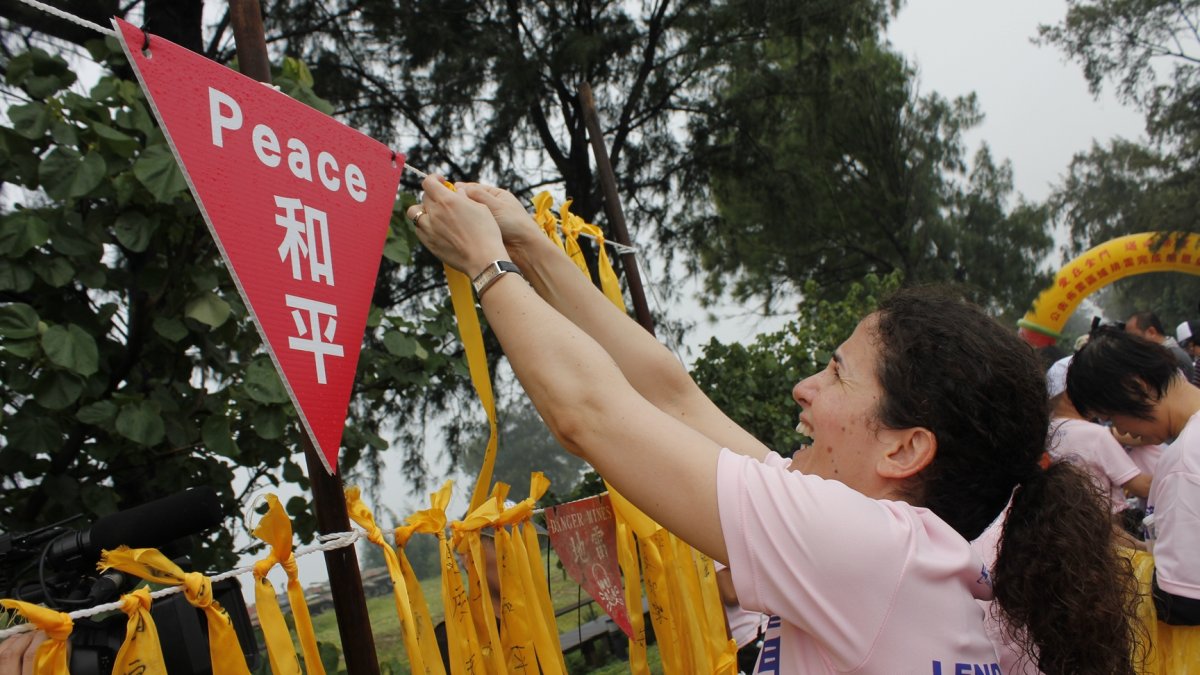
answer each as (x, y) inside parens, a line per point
(329, 500)
(246, 18)
(612, 207)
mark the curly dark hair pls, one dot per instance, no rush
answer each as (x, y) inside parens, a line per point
(1067, 596)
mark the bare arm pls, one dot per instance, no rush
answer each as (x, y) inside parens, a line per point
(726, 588)
(1139, 485)
(648, 366)
(665, 467)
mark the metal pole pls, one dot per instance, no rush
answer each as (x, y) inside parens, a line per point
(612, 207)
(329, 500)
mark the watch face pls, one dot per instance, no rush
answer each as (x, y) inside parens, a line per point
(492, 271)
(485, 276)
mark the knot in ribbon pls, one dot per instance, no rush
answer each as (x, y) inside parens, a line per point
(290, 567)
(136, 600)
(197, 588)
(263, 566)
(57, 625)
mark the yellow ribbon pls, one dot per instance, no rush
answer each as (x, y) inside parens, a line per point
(608, 278)
(547, 220)
(149, 564)
(461, 296)
(571, 227)
(275, 529)
(531, 591)
(141, 653)
(278, 534)
(51, 657)
(466, 539)
(627, 558)
(463, 299)
(658, 594)
(1168, 650)
(430, 655)
(465, 656)
(360, 514)
(722, 649)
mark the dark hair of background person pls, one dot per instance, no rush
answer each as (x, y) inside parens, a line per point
(1120, 373)
(1147, 319)
(948, 367)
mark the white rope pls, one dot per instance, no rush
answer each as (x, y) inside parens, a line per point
(73, 19)
(329, 543)
(621, 249)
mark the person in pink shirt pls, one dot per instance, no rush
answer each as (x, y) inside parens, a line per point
(1091, 445)
(923, 425)
(1136, 384)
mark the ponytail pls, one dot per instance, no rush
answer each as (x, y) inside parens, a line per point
(1067, 595)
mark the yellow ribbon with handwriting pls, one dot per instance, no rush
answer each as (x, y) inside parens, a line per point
(141, 652)
(533, 589)
(51, 656)
(430, 655)
(275, 529)
(627, 558)
(466, 539)
(462, 641)
(149, 564)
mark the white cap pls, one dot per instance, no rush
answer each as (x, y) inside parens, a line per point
(1056, 377)
(1183, 332)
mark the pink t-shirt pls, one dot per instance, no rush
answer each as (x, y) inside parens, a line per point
(1175, 503)
(862, 585)
(1092, 447)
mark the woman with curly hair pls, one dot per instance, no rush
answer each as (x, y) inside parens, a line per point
(927, 420)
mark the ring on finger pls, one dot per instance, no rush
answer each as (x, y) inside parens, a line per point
(417, 218)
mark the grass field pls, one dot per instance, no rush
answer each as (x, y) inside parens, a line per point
(389, 643)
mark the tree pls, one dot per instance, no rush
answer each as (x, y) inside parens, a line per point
(825, 165)
(753, 383)
(1148, 52)
(129, 367)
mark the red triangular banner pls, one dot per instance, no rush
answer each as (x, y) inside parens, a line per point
(584, 535)
(299, 205)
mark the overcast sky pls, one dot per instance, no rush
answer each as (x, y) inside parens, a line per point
(1038, 110)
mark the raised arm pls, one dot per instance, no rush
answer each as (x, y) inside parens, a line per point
(665, 467)
(648, 366)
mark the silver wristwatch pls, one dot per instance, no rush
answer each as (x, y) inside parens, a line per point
(491, 273)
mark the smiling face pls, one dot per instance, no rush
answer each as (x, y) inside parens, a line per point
(839, 412)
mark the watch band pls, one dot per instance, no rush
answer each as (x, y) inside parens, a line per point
(491, 273)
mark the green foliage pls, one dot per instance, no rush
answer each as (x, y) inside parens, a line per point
(753, 383)
(1147, 50)
(825, 165)
(129, 366)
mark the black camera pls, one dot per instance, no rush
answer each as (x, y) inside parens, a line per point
(56, 566)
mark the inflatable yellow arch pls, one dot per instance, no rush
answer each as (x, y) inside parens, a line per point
(1113, 260)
